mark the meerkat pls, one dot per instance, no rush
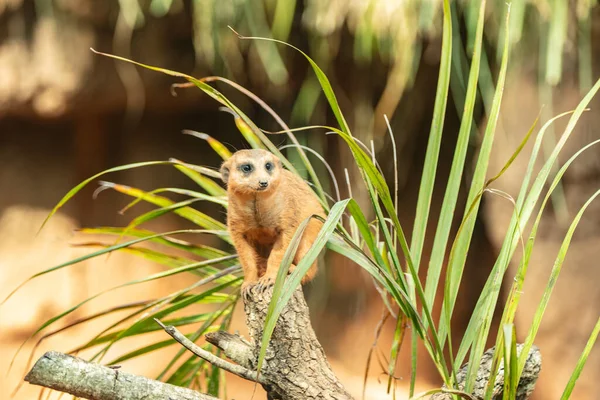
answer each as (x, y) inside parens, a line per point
(267, 203)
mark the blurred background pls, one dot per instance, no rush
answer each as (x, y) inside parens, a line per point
(67, 113)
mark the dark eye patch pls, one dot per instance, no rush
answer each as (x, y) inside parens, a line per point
(246, 168)
(269, 166)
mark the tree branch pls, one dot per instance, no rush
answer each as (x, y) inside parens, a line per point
(531, 371)
(91, 381)
(208, 356)
(295, 367)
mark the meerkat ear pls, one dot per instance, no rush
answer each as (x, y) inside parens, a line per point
(225, 171)
(279, 162)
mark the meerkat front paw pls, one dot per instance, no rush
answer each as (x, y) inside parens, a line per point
(265, 282)
(245, 290)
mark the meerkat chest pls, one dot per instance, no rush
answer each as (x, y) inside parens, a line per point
(263, 214)
(259, 214)
(263, 224)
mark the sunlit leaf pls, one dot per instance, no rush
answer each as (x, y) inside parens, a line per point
(182, 209)
(217, 146)
(191, 193)
(162, 239)
(77, 188)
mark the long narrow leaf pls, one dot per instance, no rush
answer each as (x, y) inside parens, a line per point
(325, 84)
(218, 96)
(148, 254)
(101, 252)
(278, 303)
(537, 319)
(149, 278)
(148, 326)
(581, 362)
(450, 197)
(525, 203)
(516, 289)
(511, 376)
(203, 251)
(191, 193)
(395, 349)
(217, 146)
(167, 205)
(204, 182)
(456, 273)
(207, 296)
(471, 331)
(77, 188)
(179, 264)
(433, 344)
(434, 143)
(345, 247)
(462, 242)
(142, 350)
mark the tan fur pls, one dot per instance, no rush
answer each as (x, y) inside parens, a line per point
(262, 221)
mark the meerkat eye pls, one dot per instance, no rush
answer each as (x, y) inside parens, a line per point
(246, 168)
(269, 166)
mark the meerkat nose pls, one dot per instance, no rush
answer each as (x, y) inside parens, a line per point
(263, 184)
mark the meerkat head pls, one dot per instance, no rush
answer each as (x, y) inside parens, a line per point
(251, 171)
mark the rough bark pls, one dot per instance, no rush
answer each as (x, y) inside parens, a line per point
(91, 381)
(295, 366)
(530, 374)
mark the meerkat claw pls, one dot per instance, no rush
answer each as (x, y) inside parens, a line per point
(264, 283)
(245, 291)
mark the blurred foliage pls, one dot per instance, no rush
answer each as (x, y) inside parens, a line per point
(393, 32)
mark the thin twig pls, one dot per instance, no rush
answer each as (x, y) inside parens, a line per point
(208, 356)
